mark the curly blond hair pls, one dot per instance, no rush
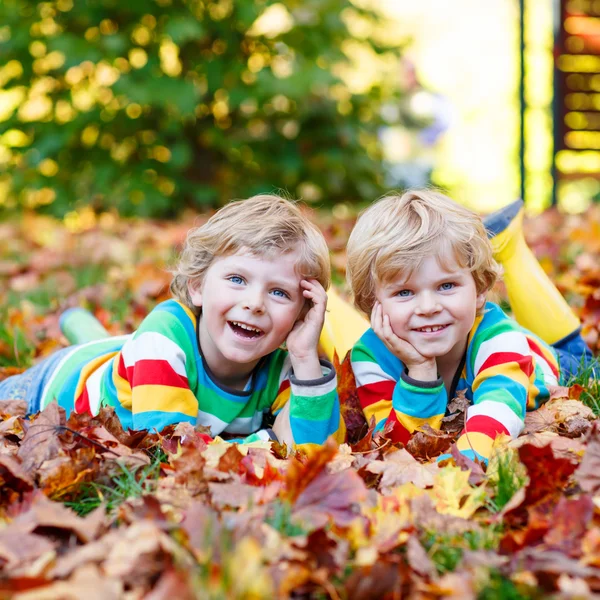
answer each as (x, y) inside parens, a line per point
(394, 235)
(265, 225)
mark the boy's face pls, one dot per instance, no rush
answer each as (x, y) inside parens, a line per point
(434, 309)
(249, 306)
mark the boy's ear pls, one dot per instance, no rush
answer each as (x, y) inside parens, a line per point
(195, 293)
(481, 299)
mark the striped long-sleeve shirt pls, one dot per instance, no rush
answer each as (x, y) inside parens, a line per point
(506, 371)
(157, 377)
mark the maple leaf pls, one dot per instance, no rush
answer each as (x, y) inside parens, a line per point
(231, 460)
(356, 424)
(300, 473)
(400, 467)
(548, 475)
(65, 472)
(454, 423)
(569, 524)
(558, 414)
(15, 480)
(86, 582)
(41, 442)
(19, 549)
(427, 443)
(588, 473)
(453, 495)
(330, 497)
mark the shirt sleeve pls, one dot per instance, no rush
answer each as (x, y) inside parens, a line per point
(156, 364)
(503, 375)
(387, 393)
(314, 408)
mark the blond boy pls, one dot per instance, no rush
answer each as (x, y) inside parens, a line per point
(249, 280)
(421, 266)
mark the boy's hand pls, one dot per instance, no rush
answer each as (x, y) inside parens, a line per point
(302, 341)
(419, 367)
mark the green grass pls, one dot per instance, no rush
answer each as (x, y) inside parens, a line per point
(587, 377)
(446, 550)
(127, 483)
(498, 587)
(280, 518)
(14, 338)
(506, 476)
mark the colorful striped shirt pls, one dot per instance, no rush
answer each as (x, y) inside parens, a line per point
(157, 377)
(506, 371)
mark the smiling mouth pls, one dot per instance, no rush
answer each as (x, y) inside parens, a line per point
(431, 328)
(245, 331)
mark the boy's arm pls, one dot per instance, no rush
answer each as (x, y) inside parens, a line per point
(388, 394)
(503, 370)
(308, 411)
(157, 362)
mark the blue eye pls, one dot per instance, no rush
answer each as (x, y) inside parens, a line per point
(280, 294)
(445, 287)
(404, 293)
(236, 279)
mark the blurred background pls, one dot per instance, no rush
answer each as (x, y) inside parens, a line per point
(124, 123)
(149, 107)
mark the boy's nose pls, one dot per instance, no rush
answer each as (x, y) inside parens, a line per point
(254, 301)
(428, 304)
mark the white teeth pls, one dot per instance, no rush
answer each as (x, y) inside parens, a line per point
(247, 327)
(431, 329)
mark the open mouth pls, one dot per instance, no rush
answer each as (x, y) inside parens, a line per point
(431, 329)
(245, 331)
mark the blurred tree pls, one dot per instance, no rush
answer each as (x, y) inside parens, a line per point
(152, 105)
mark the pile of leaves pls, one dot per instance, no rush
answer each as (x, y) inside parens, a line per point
(89, 510)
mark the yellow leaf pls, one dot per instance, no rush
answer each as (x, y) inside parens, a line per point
(453, 495)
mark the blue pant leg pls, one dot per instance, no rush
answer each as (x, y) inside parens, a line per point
(29, 385)
(573, 355)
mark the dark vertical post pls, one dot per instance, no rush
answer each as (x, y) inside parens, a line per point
(522, 102)
(557, 98)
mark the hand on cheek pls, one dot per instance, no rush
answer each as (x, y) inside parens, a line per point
(419, 367)
(303, 340)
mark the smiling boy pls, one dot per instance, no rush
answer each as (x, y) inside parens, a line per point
(248, 281)
(421, 266)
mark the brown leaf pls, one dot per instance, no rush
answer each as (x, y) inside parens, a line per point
(302, 471)
(230, 461)
(418, 559)
(15, 480)
(45, 513)
(64, 472)
(330, 497)
(569, 524)
(350, 408)
(41, 441)
(477, 474)
(588, 473)
(12, 408)
(19, 548)
(400, 467)
(427, 443)
(87, 582)
(241, 495)
(548, 475)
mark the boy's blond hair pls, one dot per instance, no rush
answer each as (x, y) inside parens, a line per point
(265, 225)
(395, 235)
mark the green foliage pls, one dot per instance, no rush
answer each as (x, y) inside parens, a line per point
(587, 377)
(148, 106)
(446, 550)
(506, 475)
(499, 587)
(128, 483)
